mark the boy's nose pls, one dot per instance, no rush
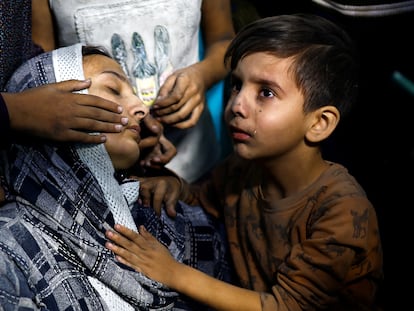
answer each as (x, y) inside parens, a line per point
(237, 104)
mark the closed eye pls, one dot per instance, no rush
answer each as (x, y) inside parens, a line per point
(114, 91)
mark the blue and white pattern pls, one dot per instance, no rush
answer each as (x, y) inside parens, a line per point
(53, 226)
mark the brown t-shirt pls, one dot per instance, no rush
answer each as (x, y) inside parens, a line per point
(318, 249)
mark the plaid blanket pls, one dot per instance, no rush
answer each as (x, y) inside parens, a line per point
(53, 227)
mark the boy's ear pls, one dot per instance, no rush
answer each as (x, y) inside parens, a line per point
(323, 123)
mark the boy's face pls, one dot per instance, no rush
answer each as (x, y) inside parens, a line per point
(110, 82)
(265, 110)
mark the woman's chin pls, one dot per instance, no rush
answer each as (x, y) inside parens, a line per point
(125, 162)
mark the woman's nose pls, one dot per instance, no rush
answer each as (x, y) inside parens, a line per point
(137, 109)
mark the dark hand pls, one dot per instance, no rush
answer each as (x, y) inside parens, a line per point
(156, 191)
(142, 252)
(156, 149)
(181, 99)
(54, 112)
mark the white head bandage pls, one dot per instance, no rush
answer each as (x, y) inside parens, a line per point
(68, 64)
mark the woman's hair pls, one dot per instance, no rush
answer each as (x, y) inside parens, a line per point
(325, 62)
(93, 50)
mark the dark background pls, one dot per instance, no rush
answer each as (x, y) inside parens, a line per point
(375, 142)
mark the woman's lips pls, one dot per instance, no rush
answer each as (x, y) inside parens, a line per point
(136, 129)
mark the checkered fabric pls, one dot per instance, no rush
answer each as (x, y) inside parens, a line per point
(52, 228)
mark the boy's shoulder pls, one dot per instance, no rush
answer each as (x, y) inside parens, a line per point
(337, 187)
(338, 176)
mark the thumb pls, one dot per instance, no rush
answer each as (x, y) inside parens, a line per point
(74, 85)
(167, 87)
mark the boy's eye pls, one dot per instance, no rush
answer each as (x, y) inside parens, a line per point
(266, 93)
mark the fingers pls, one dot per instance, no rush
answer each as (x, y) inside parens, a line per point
(167, 195)
(166, 88)
(146, 194)
(153, 125)
(130, 234)
(160, 194)
(78, 136)
(64, 116)
(79, 121)
(127, 238)
(153, 194)
(126, 250)
(170, 209)
(152, 129)
(78, 85)
(151, 159)
(141, 251)
(160, 191)
(161, 154)
(168, 150)
(185, 116)
(178, 107)
(74, 85)
(148, 142)
(92, 113)
(96, 108)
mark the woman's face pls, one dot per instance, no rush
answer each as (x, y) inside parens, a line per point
(110, 82)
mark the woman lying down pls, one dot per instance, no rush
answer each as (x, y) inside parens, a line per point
(63, 197)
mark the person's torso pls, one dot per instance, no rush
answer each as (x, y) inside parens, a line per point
(94, 22)
(264, 237)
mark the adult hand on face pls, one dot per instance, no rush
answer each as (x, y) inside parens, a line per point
(181, 99)
(54, 112)
(156, 149)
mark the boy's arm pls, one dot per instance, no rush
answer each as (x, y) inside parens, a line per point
(147, 255)
(161, 186)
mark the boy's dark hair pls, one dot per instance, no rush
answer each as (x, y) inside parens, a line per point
(325, 64)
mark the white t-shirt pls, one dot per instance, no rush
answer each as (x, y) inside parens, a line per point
(93, 22)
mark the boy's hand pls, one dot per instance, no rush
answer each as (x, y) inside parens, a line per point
(156, 191)
(142, 252)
